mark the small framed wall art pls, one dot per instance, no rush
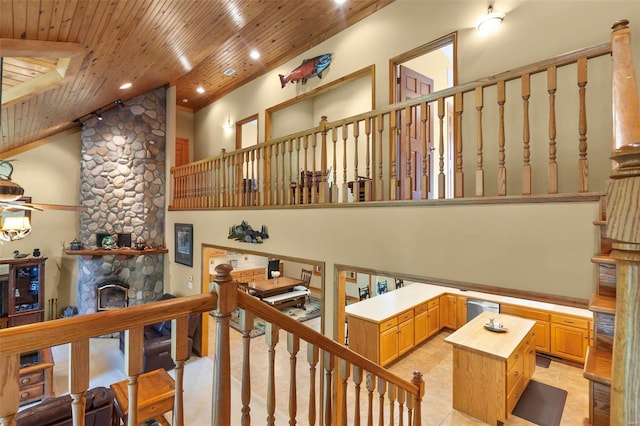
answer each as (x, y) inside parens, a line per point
(184, 243)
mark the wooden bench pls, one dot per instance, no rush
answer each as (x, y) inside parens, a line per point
(288, 299)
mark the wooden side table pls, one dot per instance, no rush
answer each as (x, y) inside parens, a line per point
(36, 376)
(156, 391)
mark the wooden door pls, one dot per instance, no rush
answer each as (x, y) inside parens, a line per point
(569, 342)
(420, 327)
(413, 85)
(388, 345)
(448, 312)
(433, 319)
(461, 311)
(405, 336)
(182, 152)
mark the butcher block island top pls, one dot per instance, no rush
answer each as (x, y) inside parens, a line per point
(474, 336)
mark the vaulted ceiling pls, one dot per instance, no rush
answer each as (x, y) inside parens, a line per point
(64, 59)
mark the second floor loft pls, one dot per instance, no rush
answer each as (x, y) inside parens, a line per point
(541, 131)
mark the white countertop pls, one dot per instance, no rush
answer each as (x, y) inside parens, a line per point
(384, 306)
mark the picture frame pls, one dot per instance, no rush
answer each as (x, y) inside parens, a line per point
(183, 244)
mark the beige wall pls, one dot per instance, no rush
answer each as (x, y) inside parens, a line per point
(51, 175)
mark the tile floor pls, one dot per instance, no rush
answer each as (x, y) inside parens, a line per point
(433, 358)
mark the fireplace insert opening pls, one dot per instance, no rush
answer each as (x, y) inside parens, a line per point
(112, 294)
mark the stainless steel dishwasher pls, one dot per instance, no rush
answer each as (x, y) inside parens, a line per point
(476, 307)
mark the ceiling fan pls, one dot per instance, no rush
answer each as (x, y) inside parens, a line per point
(11, 192)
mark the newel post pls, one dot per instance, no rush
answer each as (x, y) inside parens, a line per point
(227, 302)
(418, 381)
(623, 227)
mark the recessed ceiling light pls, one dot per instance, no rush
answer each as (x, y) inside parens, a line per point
(126, 85)
(185, 63)
(229, 71)
(254, 54)
(200, 89)
(185, 100)
(340, 2)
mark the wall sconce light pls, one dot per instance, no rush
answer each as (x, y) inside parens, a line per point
(490, 22)
(228, 124)
(15, 228)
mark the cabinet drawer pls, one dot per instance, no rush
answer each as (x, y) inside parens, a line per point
(514, 396)
(390, 323)
(31, 394)
(405, 316)
(570, 321)
(433, 302)
(27, 380)
(515, 356)
(421, 308)
(524, 312)
(515, 374)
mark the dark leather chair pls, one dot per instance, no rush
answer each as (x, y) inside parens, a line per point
(363, 292)
(273, 265)
(157, 342)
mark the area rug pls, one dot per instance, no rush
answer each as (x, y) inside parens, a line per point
(541, 404)
(312, 310)
(542, 361)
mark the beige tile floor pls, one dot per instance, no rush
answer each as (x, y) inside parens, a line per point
(433, 358)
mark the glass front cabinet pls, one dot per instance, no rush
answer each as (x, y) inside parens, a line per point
(25, 290)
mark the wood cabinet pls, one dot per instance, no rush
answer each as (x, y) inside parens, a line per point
(24, 290)
(491, 370)
(250, 275)
(569, 337)
(542, 327)
(461, 310)
(426, 320)
(395, 336)
(448, 311)
(36, 376)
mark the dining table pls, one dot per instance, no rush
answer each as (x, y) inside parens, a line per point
(271, 287)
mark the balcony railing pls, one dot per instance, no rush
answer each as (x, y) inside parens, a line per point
(508, 143)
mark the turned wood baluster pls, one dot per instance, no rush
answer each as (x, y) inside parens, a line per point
(334, 184)
(179, 353)
(305, 180)
(552, 176)
(329, 363)
(253, 195)
(356, 182)
(324, 186)
(391, 394)
(266, 175)
(371, 387)
(223, 179)
(295, 177)
(526, 153)
(227, 292)
(283, 189)
(502, 171)
(479, 142)
(9, 377)
(401, 394)
(312, 359)
(133, 347)
(367, 182)
(345, 368)
(459, 174)
(314, 144)
(276, 178)
(393, 168)
(583, 165)
(418, 382)
(79, 379)
(379, 187)
(293, 346)
(211, 192)
(345, 187)
(426, 135)
(288, 194)
(382, 387)
(408, 187)
(246, 325)
(238, 180)
(357, 381)
(410, 403)
(441, 176)
(271, 339)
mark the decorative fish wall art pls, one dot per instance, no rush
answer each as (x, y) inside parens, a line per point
(309, 68)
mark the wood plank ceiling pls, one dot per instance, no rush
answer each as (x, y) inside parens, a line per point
(149, 43)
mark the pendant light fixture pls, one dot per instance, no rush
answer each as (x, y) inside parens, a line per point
(490, 22)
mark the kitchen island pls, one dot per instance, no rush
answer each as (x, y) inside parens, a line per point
(492, 368)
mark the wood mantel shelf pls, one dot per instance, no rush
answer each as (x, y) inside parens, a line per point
(119, 252)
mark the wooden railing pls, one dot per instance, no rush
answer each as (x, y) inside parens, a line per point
(337, 376)
(335, 365)
(415, 149)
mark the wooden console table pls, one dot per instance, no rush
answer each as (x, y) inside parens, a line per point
(36, 378)
(156, 392)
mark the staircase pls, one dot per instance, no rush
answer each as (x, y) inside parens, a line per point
(597, 367)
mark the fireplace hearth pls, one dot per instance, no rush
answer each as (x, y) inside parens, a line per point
(112, 294)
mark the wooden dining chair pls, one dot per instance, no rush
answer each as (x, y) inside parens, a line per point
(363, 292)
(305, 276)
(399, 283)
